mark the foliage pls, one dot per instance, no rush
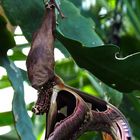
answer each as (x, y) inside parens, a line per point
(103, 38)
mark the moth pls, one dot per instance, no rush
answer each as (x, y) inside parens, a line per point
(40, 60)
(70, 112)
(73, 112)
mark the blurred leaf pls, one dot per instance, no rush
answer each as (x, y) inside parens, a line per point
(7, 138)
(134, 18)
(89, 89)
(18, 55)
(93, 11)
(90, 136)
(121, 74)
(105, 92)
(4, 82)
(39, 123)
(76, 77)
(22, 120)
(114, 96)
(28, 19)
(129, 45)
(18, 52)
(6, 38)
(77, 27)
(6, 118)
(128, 27)
(60, 46)
(10, 135)
(71, 73)
(94, 8)
(97, 85)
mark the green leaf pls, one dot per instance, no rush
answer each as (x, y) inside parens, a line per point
(28, 15)
(134, 18)
(74, 25)
(10, 135)
(22, 121)
(6, 38)
(90, 136)
(18, 55)
(102, 61)
(71, 70)
(129, 45)
(39, 122)
(60, 46)
(114, 96)
(17, 52)
(107, 93)
(77, 27)
(97, 84)
(6, 118)
(4, 82)
(71, 73)
(7, 138)
(34, 10)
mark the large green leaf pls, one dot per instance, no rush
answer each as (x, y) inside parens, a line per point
(77, 27)
(22, 120)
(33, 11)
(102, 61)
(74, 24)
(28, 15)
